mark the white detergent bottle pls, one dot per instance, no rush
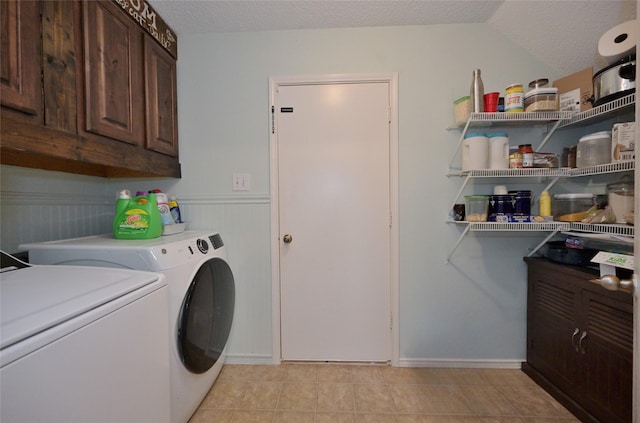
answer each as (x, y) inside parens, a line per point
(163, 208)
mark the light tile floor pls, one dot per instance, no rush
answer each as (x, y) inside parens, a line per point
(336, 393)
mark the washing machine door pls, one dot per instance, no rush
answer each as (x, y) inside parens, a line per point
(206, 316)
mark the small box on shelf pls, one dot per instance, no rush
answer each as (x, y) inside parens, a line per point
(512, 218)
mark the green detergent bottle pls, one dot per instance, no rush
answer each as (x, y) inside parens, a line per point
(137, 218)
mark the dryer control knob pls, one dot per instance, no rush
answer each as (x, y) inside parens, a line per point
(202, 245)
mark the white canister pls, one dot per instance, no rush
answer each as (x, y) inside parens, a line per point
(475, 152)
(498, 151)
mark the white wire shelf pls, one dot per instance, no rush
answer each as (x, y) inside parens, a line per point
(567, 118)
(547, 172)
(601, 111)
(553, 227)
(603, 228)
(611, 228)
(514, 172)
(485, 119)
(602, 169)
(514, 226)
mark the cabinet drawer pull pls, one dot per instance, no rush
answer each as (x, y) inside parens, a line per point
(582, 337)
(573, 339)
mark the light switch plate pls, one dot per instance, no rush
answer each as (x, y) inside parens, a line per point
(241, 182)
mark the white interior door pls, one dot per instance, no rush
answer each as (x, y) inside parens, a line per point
(334, 202)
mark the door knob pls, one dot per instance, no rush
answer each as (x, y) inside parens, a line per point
(287, 239)
(613, 283)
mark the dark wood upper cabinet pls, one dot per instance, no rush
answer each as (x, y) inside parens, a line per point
(87, 90)
(114, 93)
(21, 57)
(161, 97)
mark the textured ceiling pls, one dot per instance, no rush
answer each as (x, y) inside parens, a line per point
(562, 33)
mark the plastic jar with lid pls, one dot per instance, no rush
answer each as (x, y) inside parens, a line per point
(621, 198)
(594, 149)
(461, 110)
(514, 98)
(527, 155)
(498, 150)
(475, 151)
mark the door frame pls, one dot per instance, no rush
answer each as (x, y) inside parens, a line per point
(274, 83)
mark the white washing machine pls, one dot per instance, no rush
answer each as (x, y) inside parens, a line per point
(81, 344)
(201, 298)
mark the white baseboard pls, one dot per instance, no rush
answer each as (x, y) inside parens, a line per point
(403, 362)
(248, 359)
(456, 363)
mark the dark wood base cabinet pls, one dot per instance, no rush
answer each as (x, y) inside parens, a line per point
(580, 341)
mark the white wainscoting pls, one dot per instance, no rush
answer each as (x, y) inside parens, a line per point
(242, 221)
(35, 217)
(244, 224)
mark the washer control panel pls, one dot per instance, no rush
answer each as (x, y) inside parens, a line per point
(196, 247)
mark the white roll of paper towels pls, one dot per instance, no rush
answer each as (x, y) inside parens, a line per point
(619, 41)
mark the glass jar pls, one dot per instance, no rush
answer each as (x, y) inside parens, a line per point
(569, 155)
(573, 156)
(527, 154)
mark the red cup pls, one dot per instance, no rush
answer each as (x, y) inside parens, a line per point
(491, 102)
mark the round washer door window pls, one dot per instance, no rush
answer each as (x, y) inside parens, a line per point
(206, 316)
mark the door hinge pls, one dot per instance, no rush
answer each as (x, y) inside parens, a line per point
(273, 119)
(389, 116)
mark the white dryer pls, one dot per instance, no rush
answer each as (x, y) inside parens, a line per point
(81, 344)
(201, 298)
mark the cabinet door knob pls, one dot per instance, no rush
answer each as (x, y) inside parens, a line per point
(613, 283)
(573, 339)
(287, 239)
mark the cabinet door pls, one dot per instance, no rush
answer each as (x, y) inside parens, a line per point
(161, 96)
(551, 325)
(114, 92)
(21, 57)
(607, 356)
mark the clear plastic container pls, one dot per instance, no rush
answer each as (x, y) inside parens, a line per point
(594, 149)
(571, 207)
(461, 110)
(477, 207)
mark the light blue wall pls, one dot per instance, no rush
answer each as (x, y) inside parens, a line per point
(472, 309)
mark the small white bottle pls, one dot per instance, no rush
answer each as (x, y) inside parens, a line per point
(163, 208)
